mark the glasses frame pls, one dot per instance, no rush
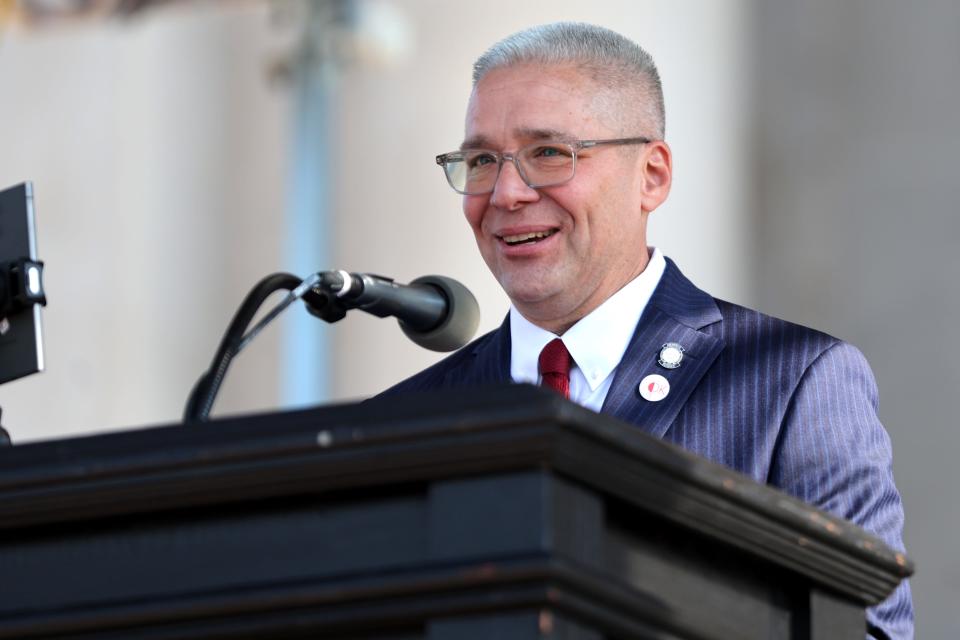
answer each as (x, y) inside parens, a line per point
(575, 146)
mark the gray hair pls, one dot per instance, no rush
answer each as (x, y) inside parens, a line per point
(609, 59)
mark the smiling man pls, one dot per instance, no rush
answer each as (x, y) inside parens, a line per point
(558, 250)
(563, 161)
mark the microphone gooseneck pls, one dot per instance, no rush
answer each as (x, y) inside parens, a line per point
(435, 312)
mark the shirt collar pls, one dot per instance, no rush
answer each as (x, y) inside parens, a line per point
(597, 341)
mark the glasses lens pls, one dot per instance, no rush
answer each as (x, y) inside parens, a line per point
(475, 171)
(472, 172)
(547, 163)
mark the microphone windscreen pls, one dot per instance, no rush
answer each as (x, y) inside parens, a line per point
(460, 323)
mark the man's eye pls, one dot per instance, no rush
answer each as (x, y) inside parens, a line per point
(550, 151)
(480, 160)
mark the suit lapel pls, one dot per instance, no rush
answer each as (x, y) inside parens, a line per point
(676, 313)
(490, 363)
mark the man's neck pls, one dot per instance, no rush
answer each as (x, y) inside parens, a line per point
(597, 342)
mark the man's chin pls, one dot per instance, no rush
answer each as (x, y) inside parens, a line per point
(533, 299)
(529, 291)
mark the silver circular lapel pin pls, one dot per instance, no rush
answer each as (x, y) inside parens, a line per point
(671, 355)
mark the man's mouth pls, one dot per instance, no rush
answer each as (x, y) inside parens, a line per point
(528, 238)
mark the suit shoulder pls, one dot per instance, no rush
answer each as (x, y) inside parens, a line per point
(744, 324)
(436, 376)
(755, 341)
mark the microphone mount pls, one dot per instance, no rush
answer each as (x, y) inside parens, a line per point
(21, 285)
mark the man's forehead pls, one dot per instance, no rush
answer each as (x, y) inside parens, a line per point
(520, 104)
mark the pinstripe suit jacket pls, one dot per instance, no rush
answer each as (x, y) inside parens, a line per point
(784, 404)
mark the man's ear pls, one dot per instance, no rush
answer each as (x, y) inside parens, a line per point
(657, 174)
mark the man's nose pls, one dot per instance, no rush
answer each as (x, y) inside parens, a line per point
(510, 192)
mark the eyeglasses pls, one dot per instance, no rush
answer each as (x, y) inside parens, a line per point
(474, 172)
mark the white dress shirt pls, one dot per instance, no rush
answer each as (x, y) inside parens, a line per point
(596, 342)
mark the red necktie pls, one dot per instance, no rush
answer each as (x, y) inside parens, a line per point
(555, 367)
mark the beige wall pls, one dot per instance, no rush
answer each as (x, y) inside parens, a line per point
(157, 151)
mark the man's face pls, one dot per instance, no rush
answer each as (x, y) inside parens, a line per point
(595, 224)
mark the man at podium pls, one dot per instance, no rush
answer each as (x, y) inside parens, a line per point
(563, 160)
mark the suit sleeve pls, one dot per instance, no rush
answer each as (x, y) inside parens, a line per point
(835, 454)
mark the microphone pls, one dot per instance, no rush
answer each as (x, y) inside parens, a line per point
(436, 312)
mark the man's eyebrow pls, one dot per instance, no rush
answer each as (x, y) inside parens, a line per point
(524, 133)
(543, 134)
(476, 142)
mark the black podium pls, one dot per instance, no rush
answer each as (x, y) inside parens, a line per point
(502, 513)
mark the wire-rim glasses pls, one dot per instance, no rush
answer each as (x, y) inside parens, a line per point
(474, 172)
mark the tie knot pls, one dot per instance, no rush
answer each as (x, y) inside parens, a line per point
(555, 358)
